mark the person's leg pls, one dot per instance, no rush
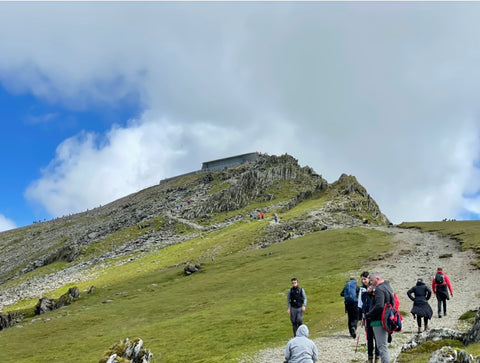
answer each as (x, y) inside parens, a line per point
(425, 322)
(439, 305)
(445, 306)
(296, 317)
(369, 334)
(352, 313)
(381, 339)
(419, 323)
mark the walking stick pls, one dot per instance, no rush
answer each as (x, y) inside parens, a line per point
(358, 338)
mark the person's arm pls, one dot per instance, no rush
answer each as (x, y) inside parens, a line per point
(409, 294)
(434, 285)
(304, 298)
(287, 352)
(315, 353)
(379, 302)
(428, 293)
(449, 284)
(288, 300)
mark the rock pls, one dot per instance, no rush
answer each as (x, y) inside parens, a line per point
(473, 334)
(444, 355)
(131, 351)
(46, 304)
(9, 319)
(191, 268)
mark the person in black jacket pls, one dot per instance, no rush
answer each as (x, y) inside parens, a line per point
(383, 294)
(364, 305)
(296, 303)
(420, 294)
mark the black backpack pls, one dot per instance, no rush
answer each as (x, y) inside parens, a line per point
(439, 278)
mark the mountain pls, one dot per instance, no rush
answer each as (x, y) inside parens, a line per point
(179, 209)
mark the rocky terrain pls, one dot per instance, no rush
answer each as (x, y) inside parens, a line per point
(175, 211)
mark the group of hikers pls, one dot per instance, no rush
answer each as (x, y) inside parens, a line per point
(365, 303)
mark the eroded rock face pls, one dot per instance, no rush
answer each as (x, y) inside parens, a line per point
(130, 350)
(9, 319)
(473, 334)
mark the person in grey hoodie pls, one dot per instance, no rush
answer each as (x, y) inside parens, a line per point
(301, 349)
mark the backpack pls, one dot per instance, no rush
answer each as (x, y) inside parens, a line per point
(439, 278)
(350, 291)
(391, 316)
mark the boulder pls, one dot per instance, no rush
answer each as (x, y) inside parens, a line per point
(127, 350)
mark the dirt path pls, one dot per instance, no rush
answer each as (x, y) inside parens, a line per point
(419, 257)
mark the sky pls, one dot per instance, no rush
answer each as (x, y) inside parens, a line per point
(99, 100)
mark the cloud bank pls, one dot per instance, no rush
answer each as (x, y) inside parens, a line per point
(383, 91)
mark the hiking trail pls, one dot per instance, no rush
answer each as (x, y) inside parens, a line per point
(418, 255)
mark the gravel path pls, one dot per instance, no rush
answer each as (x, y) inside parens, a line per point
(418, 256)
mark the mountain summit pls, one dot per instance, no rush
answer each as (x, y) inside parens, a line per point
(184, 207)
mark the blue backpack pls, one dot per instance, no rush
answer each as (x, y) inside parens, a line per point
(350, 291)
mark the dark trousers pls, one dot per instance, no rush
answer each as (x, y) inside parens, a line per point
(296, 317)
(442, 300)
(419, 321)
(351, 308)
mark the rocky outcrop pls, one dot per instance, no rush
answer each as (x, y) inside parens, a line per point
(176, 211)
(127, 351)
(473, 334)
(9, 319)
(191, 268)
(46, 304)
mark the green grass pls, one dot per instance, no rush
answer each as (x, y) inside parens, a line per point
(233, 305)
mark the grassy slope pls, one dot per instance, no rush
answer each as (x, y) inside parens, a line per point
(234, 305)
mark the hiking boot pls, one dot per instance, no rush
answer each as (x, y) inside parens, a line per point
(440, 315)
(419, 330)
(427, 328)
(370, 360)
(377, 359)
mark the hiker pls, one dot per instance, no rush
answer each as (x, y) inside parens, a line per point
(350, 293)
(364, 304)
(382, 294)
(440, 283)
(296, 303)
(300, 349)
(420, 294)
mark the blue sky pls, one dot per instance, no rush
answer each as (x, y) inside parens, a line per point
(102, 99)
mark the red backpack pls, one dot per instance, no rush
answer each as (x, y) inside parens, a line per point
(391, 316)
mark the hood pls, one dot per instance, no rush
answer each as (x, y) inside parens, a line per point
(302, 331)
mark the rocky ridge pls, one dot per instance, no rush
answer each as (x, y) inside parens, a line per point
(173, 212)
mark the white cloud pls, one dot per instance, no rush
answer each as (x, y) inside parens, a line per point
(6, 224)
(386, 92)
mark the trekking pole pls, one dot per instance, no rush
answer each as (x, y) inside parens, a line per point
(358, 338)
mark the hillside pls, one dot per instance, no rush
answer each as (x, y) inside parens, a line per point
(135, 249)
(182, 209)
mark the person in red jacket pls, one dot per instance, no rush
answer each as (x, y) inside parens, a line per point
(440, 286)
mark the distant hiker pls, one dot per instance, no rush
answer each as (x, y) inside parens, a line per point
(383, 293)
(301, 349)
(296, 303)
(420, 294)
(440, 283)
(275, 217)
(364, 305)
(350, 297)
